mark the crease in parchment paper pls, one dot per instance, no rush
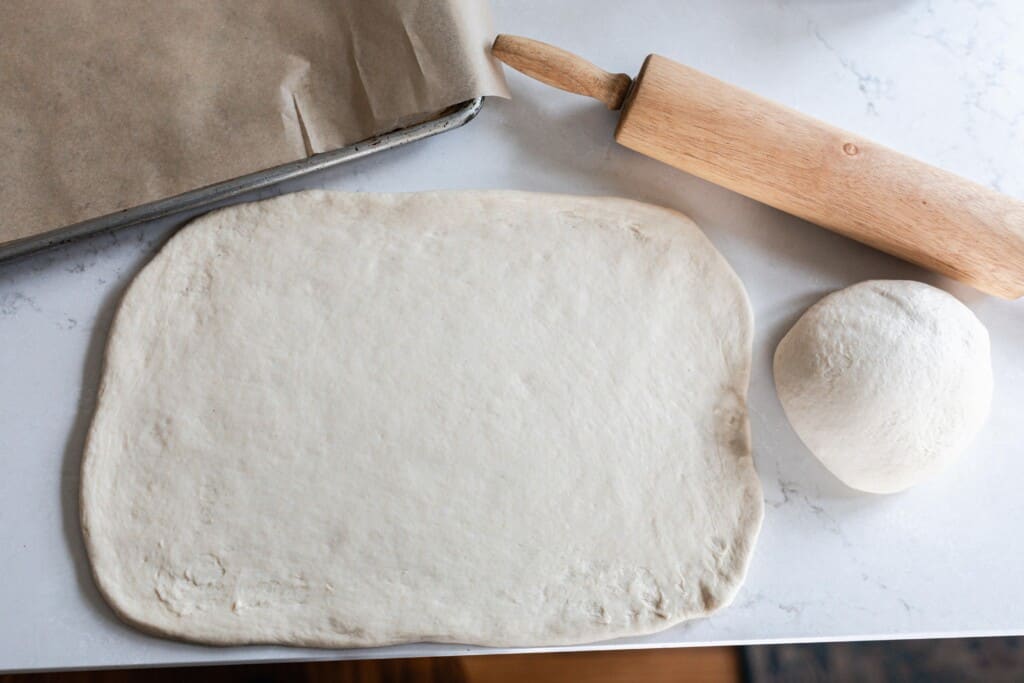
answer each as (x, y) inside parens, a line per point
(363, 113)
(107, 105)
(303, 131)
(295, 81)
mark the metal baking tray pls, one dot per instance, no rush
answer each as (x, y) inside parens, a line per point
(453, 117)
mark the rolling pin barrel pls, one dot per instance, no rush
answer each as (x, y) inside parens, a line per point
(810, 169)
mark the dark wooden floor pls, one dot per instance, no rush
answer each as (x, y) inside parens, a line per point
(692, 665)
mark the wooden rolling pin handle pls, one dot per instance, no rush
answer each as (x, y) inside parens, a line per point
(561, 69)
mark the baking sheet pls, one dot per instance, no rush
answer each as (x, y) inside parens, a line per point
(108, 105)
(453, 117)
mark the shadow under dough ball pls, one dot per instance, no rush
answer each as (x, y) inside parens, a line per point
(886, 382)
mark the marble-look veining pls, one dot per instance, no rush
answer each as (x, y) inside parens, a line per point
(940, 79)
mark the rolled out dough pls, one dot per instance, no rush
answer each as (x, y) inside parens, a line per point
(488, 417)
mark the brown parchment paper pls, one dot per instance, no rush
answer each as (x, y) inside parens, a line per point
(108, 104)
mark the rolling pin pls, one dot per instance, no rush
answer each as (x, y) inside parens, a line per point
(798, 164)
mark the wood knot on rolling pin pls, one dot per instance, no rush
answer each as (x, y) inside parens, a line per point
(851, 149)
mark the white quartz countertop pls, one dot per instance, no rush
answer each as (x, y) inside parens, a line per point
(939, 79)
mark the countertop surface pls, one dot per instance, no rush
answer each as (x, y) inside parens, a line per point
(942, 80)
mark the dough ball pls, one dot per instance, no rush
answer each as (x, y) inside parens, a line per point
(886, 382)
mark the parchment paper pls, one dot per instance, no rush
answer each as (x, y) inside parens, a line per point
(107, 104)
